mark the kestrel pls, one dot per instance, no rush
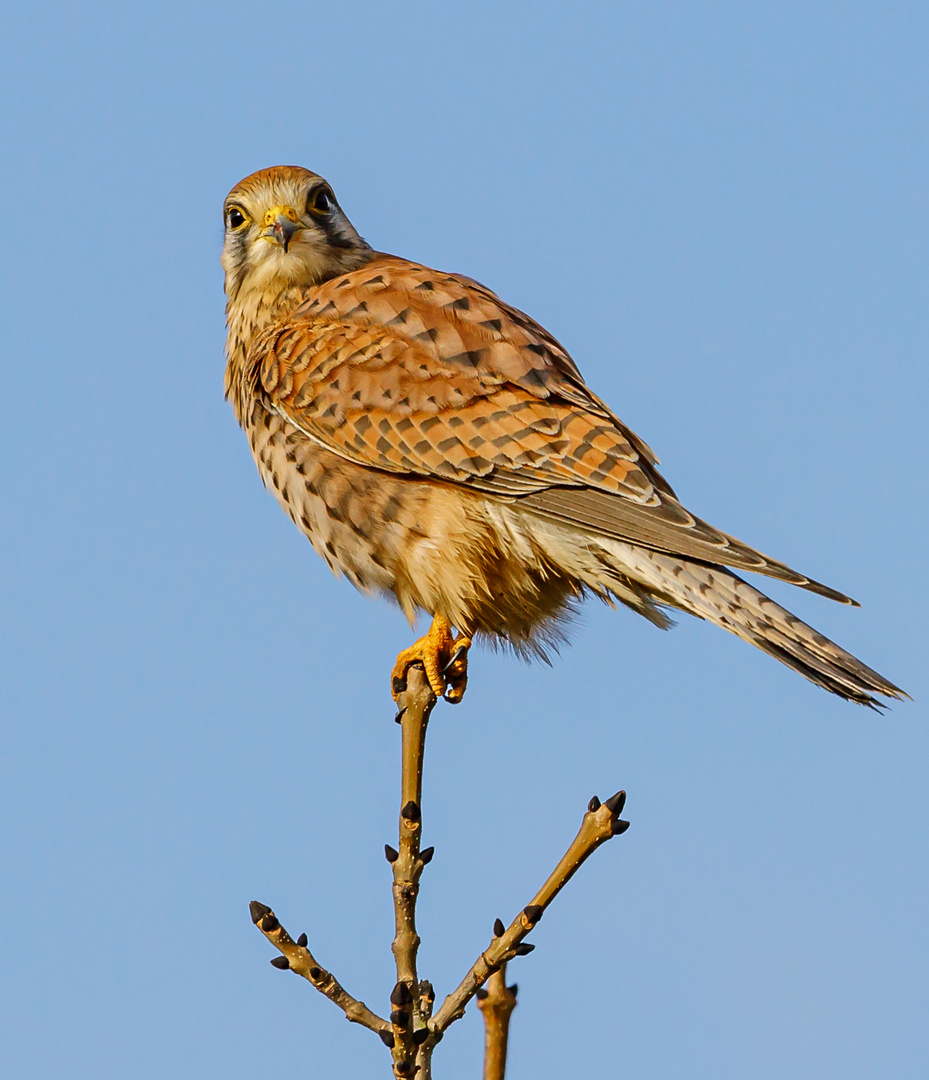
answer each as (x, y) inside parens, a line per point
(436, 445)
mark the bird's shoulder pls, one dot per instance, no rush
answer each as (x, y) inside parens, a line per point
(397, 334)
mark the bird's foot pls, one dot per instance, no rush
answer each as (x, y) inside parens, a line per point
(444, 658)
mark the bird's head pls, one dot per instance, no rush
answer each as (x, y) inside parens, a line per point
(284, 227)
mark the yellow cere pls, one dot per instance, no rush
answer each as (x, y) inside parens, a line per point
(280, 211)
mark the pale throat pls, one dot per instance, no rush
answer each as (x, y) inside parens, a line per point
(268, 296)
(251, 312)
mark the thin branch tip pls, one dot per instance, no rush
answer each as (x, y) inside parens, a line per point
(598, 825)
(496, 1004)
(296, 956)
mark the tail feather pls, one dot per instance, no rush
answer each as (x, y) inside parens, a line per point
(720, 596)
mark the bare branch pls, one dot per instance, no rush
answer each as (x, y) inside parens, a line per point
(298, 958)
(497, 1002)
(411, 1001)
(599, 824)
(412, 1032)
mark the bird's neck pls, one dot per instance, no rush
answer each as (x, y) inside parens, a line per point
(250, 311)
(247, 315)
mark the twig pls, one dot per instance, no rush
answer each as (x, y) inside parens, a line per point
(298, 958)
(600, 823)
(412, 1032)
(411, 1000)
(497, 1002)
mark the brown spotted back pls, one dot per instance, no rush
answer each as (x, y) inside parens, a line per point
(407, 370)
(412, 371)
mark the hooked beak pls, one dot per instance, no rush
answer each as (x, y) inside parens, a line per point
(281, 224)
(284, 232)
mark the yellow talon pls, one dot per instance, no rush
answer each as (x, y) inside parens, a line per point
(444, 658)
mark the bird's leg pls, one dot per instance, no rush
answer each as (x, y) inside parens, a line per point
(444, 658)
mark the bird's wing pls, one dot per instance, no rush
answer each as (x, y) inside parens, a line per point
(409, 370)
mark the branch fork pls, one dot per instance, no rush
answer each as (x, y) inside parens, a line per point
(412, 1032)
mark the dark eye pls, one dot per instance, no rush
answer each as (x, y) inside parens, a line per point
(321, 202)
(235, 219)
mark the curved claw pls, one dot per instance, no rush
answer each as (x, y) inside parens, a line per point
(460, 651)
(456, 671)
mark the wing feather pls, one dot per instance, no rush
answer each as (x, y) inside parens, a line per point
(408, 370)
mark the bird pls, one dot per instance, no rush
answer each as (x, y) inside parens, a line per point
(439, 447)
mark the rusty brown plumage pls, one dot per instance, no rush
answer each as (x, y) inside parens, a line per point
(439, 446)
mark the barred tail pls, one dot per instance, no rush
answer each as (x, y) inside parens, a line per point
(716, 594)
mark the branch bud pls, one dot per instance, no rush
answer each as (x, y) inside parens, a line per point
(280, 962)
(532, 913)
(499, 928)
(616, 803)
(391, 854)
(594, 805)
(258, 911)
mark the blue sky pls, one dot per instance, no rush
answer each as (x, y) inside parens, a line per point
(721, 210)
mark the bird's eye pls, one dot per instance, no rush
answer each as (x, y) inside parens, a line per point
(321, 201)
(235, 219)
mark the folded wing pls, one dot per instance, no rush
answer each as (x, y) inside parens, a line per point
(408, 370)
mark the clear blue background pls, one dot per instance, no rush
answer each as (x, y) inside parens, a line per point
(721, 209)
